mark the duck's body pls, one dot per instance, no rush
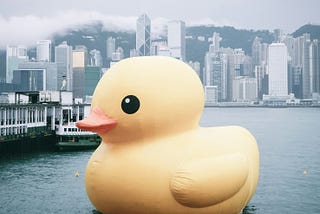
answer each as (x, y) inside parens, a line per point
(154, 158)
(158, 175)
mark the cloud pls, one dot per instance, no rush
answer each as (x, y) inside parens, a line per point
(211, 22)
(26, 30)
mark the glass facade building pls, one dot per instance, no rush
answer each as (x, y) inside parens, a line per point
(143, 35)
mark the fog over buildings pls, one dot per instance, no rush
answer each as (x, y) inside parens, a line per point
(36, 19)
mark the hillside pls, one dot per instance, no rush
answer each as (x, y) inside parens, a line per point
(313, 30)
(95, 36)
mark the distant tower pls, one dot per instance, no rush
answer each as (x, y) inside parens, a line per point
(15, 55)
(143, 34)
(63, 58)
(176, 39)
(43, 51)
(111, 47)
(278, 69)
(216, 42)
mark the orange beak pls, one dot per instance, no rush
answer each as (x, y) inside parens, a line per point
(97, 121)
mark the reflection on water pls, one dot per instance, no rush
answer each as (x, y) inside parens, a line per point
(289, 182)
(249, 209)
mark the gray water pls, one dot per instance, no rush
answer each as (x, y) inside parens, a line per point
(288, 140)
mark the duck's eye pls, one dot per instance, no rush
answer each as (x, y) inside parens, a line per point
(130, 104)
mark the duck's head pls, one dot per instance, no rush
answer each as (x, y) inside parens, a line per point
(144, 97)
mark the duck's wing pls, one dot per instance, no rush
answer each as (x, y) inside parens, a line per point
(208, 181)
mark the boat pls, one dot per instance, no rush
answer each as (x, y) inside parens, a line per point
(70, 137)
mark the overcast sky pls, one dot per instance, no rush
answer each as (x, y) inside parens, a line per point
(23, 21)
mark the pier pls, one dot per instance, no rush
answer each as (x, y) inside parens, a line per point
(35, 120)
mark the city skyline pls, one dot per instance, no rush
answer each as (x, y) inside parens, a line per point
(121, 16)
(235, 75)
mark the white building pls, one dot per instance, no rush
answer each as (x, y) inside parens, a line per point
(244, 89)
(143, 35)
(43, 48)
(278, 69)
(177, 40)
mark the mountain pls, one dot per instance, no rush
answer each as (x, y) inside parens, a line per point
(313, 30)
(94, 36)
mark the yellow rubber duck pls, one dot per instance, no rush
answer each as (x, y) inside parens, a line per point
(154, 157)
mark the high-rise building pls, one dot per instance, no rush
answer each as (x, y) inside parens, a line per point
(262, 80)
(95, 58)
(278, 35)
(216, 69)
(306, 73)
(177, 40)
(36, 76)
(92, 76)
(43, 48)
(239, 58)
(315, 66)
(111, 47)
(278, 69)
(79, 62)
(289, 41)
(295, 80)
(14, 56)
(256, 50)
(63, 58)
(143, 35)
(301, 58)
(216, 42)
(245, 89)
(230, 70)
(117, 55)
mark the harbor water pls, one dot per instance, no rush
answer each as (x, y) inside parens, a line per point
(288, 140)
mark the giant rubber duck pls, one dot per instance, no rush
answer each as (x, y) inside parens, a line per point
(154, 157)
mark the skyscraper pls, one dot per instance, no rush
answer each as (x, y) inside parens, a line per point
(15, 55)
(43, 51)
(216, 73)
(79, 61)
(143, 35)
(63, 58)
(315, 66)
(177, 40)
(278, 69)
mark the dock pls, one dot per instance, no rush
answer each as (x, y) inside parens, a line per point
(35, 120)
